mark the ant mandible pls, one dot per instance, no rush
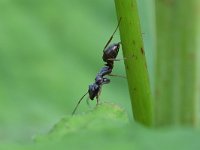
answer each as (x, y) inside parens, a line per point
(110, 53)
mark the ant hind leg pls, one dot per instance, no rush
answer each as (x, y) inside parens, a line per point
(97, 97)
(114, 75)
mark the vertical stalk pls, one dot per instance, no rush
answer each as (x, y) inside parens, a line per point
(136, 68)
(197, 87)
(176, 62)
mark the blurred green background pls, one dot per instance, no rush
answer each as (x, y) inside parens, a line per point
(50, 51)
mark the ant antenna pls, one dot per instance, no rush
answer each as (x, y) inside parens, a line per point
(113, 33)
(78, 104)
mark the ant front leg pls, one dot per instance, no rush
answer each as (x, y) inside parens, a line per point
(97, 100)
(97, 97)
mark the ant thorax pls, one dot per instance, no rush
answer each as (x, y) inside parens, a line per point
(99, 79)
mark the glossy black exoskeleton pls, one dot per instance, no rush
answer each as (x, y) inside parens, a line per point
(110, 53)
(95, 88)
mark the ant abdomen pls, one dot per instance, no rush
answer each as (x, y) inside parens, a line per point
(93, 90)
(111, 52)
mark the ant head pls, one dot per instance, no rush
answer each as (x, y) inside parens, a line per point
(93, 90)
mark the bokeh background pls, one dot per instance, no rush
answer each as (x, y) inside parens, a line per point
(50, 51)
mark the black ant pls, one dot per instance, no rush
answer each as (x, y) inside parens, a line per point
(110, 53)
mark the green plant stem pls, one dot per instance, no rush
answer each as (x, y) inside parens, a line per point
(176, 62)
(136, 68)
(197, 87)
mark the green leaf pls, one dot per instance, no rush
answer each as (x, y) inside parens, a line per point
(105, 117)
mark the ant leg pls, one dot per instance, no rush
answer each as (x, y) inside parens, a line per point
(98, 95)
(113, 59)
(114, 75)
(112, 34)
(87, 101)
(97, 100)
